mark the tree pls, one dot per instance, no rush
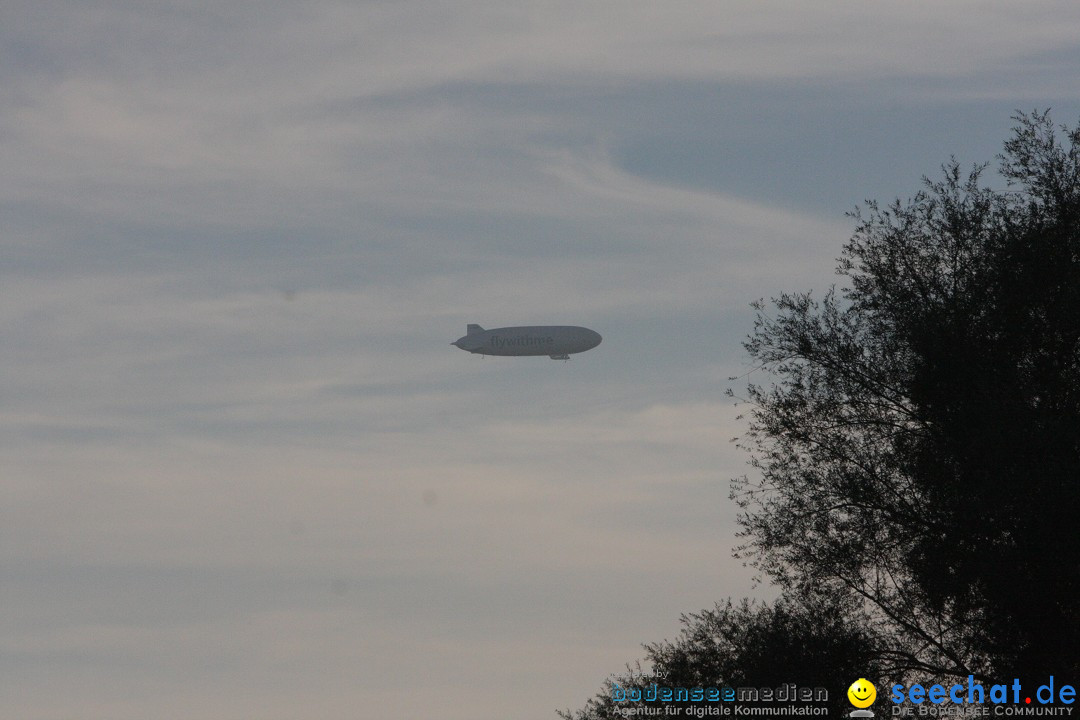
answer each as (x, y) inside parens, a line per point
(817, 641)
(919, 448)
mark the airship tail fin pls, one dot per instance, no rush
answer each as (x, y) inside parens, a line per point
(473, 329)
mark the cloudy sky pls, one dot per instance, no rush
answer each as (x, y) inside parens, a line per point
(244, 474)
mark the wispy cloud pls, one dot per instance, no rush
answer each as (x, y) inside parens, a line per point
(244, 470)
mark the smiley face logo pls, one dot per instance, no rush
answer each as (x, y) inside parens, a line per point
(862, 693)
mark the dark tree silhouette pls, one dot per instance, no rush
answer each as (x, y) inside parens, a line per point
(920, 446)
(815, 642)
(917, 447)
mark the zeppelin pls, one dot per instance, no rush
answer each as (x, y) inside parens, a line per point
(558, 342)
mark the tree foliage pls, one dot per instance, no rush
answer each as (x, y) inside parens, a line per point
(817, 641)
(916, 447)
(920, 445)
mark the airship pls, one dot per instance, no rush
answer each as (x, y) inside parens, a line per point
(556, 341)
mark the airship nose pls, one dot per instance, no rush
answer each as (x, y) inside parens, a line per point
(595, 337)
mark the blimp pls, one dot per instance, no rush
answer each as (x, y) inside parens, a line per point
(558, 342)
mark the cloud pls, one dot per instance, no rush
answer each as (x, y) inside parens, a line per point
(202, 98)
(244, 470)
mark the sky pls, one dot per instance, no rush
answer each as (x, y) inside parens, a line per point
(243, 474)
